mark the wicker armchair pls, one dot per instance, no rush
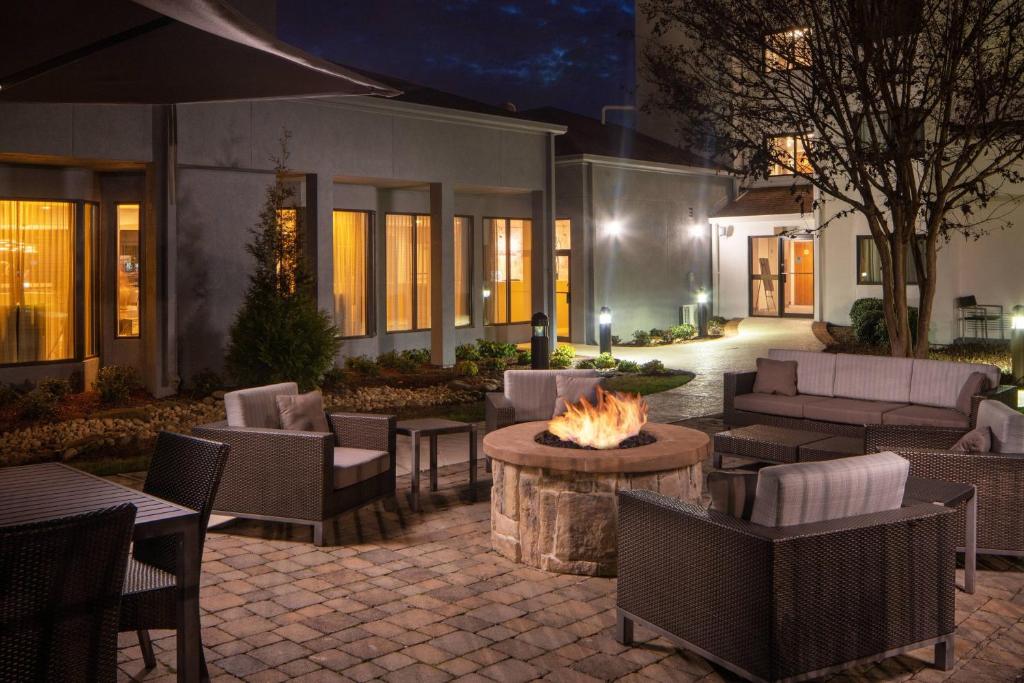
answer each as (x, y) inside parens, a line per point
(529, 395)
(773, 604)
(998, 478)
(60, 596)
(305, 477)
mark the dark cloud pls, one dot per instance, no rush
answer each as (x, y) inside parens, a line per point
(577, 55)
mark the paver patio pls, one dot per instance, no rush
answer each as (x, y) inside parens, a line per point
(421, 597)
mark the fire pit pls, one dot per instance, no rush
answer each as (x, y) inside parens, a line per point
(555, 508)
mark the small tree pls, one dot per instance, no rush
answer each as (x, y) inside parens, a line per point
(909, 112)
(279, 334)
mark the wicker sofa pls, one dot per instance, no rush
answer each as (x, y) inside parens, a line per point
(841, 393)
(529, 395)
(297, 476)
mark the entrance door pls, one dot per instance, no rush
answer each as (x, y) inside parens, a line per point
(563, 297)
(781, 277)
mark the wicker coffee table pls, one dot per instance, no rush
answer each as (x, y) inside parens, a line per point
(433, 428)
(781, 445)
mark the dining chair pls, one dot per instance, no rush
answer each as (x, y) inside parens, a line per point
(61, 583)
(184, 470)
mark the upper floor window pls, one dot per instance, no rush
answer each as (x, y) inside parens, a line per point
(787, 50)
(129, 270)
(789, 152)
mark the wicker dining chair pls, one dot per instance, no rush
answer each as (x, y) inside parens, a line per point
(185, 470)
(61, 583)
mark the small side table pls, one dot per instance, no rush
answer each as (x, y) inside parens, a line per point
(951, 494)
(433, 428)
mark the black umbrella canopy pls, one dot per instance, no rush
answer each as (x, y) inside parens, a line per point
(155, 52)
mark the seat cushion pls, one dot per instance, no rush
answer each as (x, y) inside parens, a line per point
(806, 492)
(815, 371)
(257, 406)
(873, 378)
(975, 441)
(926, 416)
(303, 412)
(849, 411)
(533, 392)
(353, 465)
(572, 389)
(976, 383)
(939, 382)
(775, 377)
(774, 404)
(1006, 424)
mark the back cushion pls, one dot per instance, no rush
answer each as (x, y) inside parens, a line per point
(1006, 425)
(533, 392)
(938, 382)
(807, 492)
(815, 371)
(257, 407)
(874, 378)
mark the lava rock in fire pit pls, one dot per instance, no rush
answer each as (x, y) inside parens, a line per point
(546, 438)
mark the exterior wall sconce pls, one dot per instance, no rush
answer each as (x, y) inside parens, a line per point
(1017, 342)
(696, 230)
(604, 322)
(613, 228)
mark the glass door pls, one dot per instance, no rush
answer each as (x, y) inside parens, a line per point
(563, 297)
(798, 278)
(764, 277)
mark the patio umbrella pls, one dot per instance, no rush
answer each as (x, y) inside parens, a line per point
(155, 52)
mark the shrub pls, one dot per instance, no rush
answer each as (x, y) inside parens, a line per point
(394, 360)
(57, 388)
(562, 356)
(641, 338)
(37, 403)
(653, 367)
(716, 325)
(683, 331)
(630, 366)
(115, 383)
(499, 364)
(605, 361)
(868, 321)
(8, 395)
(524, 357)
(333, 380)
(585, 364)
(658, 333)
(204, 383)
(493, 349)
(467, 368)
(364, 365)
(419, 357)
(467, 352)
(616, 340)
(862, 308)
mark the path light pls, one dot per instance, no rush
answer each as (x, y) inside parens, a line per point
(604, 322)
(487, 293)
(702, 313)
(1017, 342)
(539, 351)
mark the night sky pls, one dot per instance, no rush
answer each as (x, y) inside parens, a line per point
(573, 54)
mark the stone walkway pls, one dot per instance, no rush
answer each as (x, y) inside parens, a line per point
(405, 596)
(709, 359)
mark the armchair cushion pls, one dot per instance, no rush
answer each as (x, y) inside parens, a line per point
(257, 406)
(926, 416)
(1007, 426)
(572, 389)
(775, 377)
(533, 392)
(303, 412)
(975, 441)
(802, 493)
(353, 465)
(976, 383)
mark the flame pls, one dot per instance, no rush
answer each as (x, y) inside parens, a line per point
(611, 420)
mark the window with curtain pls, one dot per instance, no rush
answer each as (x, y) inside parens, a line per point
(351, 284)
(869, 263)
(90, 221)
(37, 257)
(129, 266)
(507, 256)
(463, 229)
(790, 151)
(407, 272)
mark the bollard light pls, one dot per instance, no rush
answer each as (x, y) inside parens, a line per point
(702, 313)
(604, 337)
(1017, 343)
(540, 358)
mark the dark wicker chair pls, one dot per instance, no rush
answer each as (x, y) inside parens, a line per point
(288, 476)
(184, 470)
(792, 603)
(998, 478)
(60, 593)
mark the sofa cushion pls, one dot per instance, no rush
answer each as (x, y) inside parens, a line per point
(533, 392)
(927, 416)
(938, 382)
(257, 406)
(302, 412)
(1007, 426)
(976, 383)
(801, 493)
(775, 377)
(975, 441)
(815, 371)
(774, 404)
(873, 378)
(849, 410)
(572, 389)
(732, 492)
(353, 465)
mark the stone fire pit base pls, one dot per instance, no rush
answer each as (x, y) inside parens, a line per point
(565, 521)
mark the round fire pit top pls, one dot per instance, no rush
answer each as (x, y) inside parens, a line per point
(676, 447)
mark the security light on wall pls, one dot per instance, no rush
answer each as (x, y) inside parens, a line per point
(613, 228)
(696, 230)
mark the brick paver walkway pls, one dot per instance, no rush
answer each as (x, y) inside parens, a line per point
(421, 597)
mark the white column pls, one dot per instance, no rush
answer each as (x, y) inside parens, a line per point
(442, 274)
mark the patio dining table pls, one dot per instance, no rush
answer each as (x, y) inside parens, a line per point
(34, 493)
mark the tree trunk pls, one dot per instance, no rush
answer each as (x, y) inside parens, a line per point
(926, 285)
(893, 258)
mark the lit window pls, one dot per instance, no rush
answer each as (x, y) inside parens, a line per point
(128, 270)
(37, 256)
(89, 285)
(288, 228)
(508, 260)
(787, 50)
(463, 229)
(787, 151)
(869, 263)
(407, 265)
(351, 281)
(563, 234)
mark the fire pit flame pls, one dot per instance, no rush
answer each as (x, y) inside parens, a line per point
(611, 420)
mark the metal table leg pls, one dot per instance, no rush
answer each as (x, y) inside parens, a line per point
(433, 462)
(472, 461)
(189, 635)
(971, 542)
(415, 494)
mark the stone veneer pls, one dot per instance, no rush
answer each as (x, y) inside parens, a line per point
(565, 520)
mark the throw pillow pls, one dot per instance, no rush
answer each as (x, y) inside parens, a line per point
(732, 493)
(976, 383)
(1007, 426)
(572, 389)
(303, 413)
(775, 377)
(975, 441)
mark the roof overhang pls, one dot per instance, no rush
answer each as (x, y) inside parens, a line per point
(639, 165)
